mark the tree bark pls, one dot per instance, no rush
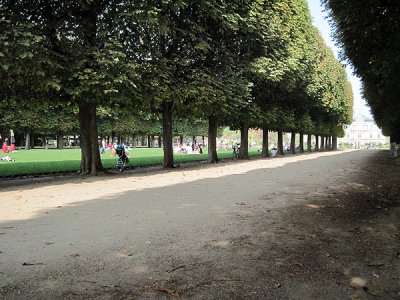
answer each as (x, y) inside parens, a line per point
(309, 136)
(322, 147)
(60, 140)
(90, 160)
(316, 143)
(159, 141)
(113, 137)
(133, 140)
(181, 139)
(149, 141)
(167, 135)
(244, 141)
(293, 142)
(334, 143)
(280, 142)
(27, 139)
(264, 151)
(212, 139)
(301, 140)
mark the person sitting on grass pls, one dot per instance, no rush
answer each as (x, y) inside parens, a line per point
(6, 158)
(5, 147)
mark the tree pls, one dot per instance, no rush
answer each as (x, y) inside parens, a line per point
(88, 66)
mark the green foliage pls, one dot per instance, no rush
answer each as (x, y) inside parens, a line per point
(368, 31)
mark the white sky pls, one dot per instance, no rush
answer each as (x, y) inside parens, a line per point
(320, 21)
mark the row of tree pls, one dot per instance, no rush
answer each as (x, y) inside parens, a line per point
(244, 64)
(368, 31)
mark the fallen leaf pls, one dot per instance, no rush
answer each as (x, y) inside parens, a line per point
(168, 291)
(357, 282)
(299, 264)
(74, 254)
(277, 285)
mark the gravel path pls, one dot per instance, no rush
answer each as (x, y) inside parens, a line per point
(313, 226)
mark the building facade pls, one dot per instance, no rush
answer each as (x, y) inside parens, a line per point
(363, 133)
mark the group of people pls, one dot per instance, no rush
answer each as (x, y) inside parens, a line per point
(7, 149)
(188, 149)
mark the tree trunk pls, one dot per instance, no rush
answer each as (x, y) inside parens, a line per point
(212, 139)
(280, 142)
(322, 147)
(264, 151)
(149, 142)
(75, 141)
(133, 140)
(301, 143)
(90, 160)
(309, 136)
(181, 139)
(60, 140)
(159, 141)
(194, 142)
(293, 143)
(113, 137)
(167, 135)
(334, 143)
(244, 141)
(316, 143)
(27, 139)
(330, 142)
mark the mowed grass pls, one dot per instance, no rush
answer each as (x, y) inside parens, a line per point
(42, 161)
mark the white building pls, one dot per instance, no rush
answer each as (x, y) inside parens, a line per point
(362, 133)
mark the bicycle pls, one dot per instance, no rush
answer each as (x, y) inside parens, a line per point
(236, 151)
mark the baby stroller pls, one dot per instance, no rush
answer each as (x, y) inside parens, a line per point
(123, 159)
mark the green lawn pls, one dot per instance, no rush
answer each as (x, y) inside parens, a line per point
(41, 161)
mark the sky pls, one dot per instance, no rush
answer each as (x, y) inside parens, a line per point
(319, 20)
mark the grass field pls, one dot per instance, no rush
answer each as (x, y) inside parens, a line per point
(42, 161)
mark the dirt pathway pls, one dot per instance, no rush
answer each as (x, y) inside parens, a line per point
(316, 226)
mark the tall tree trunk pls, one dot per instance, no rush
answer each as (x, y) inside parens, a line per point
(149, 141)
(75, 141)
(133, 140)
(264, 151)
(27, 139)
(90, 160)
(167, 135)
(280, 142)
(316, 143)
(181, 139)
(322, 147)
(293, 143)
(244, 140)
(60, 140)
(301, 143)
(159, 141)
(334, 143)
(194, 142)
(309, 136)
(330, 142)
(113, 137)
(212, 139)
